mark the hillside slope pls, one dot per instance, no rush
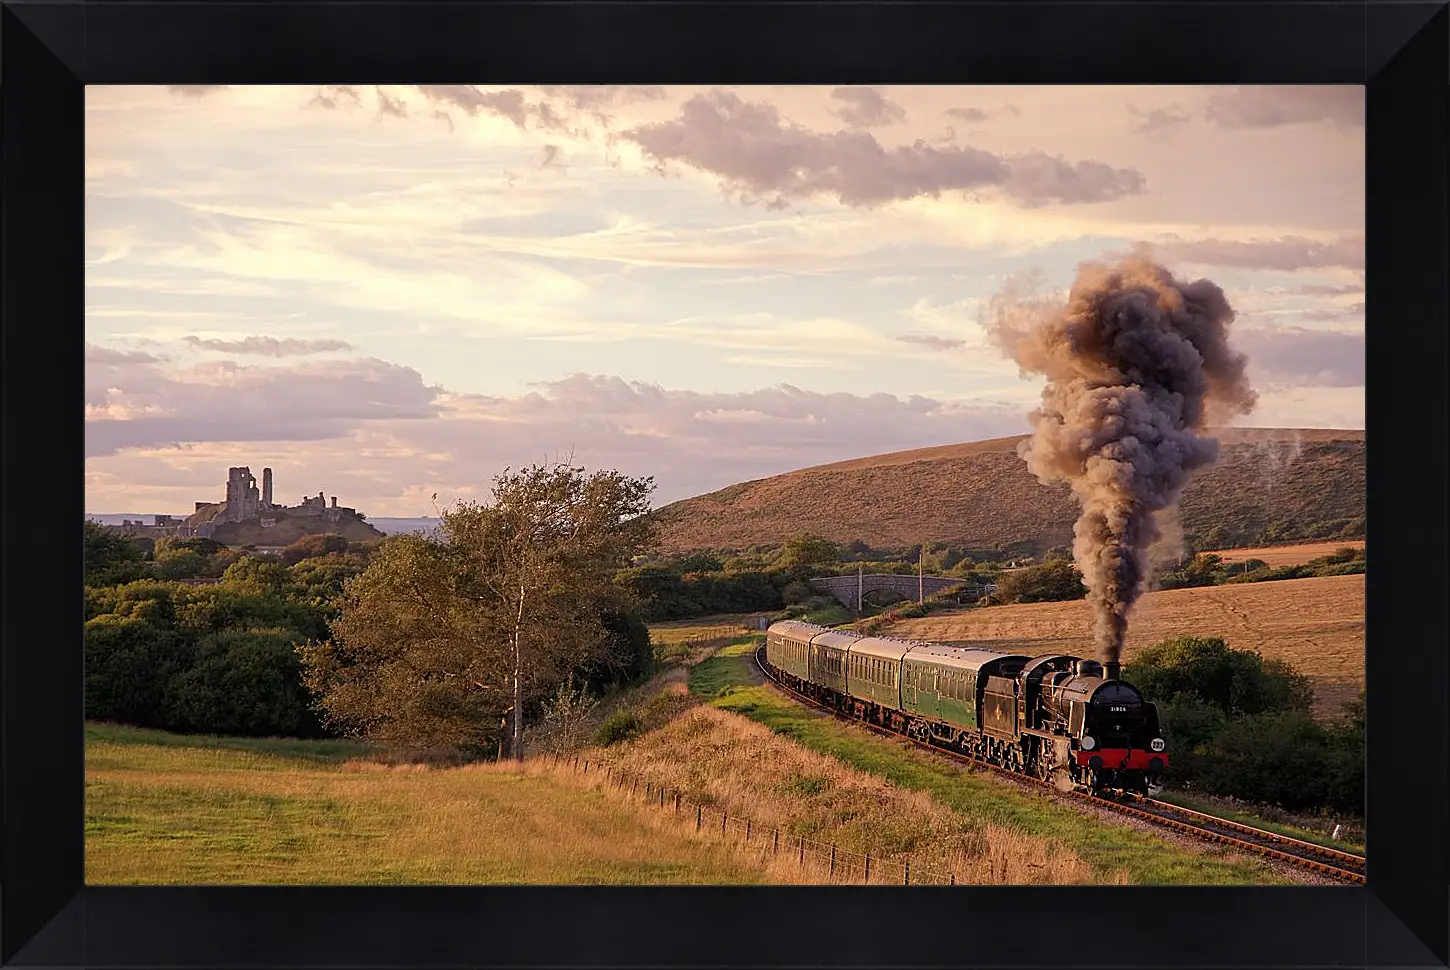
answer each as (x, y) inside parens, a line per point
(1269, 486)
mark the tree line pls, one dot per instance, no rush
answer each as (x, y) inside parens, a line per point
(449, 639)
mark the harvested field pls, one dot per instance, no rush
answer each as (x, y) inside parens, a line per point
(1288, 555)
(1315, 624)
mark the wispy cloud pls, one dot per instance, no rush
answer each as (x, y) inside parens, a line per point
(867, 108)
(935, 343)
(1286, 253)
(1158, 121)
(760, 157)
(1270, 106)
(1295, 356)
(268, 346)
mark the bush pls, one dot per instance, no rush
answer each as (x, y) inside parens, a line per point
(797, 592)
(627, 655)
(129, 664)
(1203, 569)
(619, 726)
(245, 683)
(309, 547)
(1234, 681)
(111, 558)
(1287, 759)
(1051, 582)
(1240, 725)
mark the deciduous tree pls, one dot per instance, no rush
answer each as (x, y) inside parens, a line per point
(443, 634)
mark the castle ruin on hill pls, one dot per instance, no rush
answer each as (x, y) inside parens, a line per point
(249, 514)
(245, 503)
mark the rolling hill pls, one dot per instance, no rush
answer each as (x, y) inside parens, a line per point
(1270, 486)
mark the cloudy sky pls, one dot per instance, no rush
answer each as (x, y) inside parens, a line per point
(386, 293)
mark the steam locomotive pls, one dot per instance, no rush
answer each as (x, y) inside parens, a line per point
(1060, 718)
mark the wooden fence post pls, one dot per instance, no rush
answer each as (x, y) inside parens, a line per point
(697, 818)
(907, 880)
(677, 803)
(724, 818)
(952, 878)
(833, 860)
(747, 830)
(868, 867)
(803, 851)
(775, 847)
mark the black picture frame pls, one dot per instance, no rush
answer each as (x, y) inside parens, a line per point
(48, 51)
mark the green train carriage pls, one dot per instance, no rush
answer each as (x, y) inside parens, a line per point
(952, 685)
(873, 670)
(830, 650)
(788, 647)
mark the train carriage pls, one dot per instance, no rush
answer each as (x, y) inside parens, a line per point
(873, 670)
(829, 652)
(944, 683)
(788, 647)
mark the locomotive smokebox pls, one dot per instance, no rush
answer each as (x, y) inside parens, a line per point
(1112, 670)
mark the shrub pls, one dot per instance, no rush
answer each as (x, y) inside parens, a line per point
(129, 664)
(1281, 759)
(797, 591)
(619, 726)
(1234, 681)
(311, 546)
(247, 683)
(1050, 582)
(1240, 725)
(111, 558)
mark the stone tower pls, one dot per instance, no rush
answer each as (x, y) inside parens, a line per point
(242, 498)
(266, 488)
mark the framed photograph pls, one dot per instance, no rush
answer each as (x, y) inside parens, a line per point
(603, 484)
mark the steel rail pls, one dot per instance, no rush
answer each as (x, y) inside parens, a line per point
(1344, 866)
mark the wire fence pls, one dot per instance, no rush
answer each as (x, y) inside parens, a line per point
(699, 639)
(826, 860)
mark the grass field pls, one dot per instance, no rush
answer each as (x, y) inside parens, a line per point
(1112, 851)
(1315, 624)
(163, 809)
(1288, 555)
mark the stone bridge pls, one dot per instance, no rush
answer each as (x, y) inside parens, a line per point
(845, 588)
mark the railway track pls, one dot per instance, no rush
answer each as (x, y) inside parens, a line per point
(1341, 866)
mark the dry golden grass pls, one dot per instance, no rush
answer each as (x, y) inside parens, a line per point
(1288, 555)
(742, 768)
(980, 495)
(1315, 624)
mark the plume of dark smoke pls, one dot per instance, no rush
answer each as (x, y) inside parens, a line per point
(1137, 365)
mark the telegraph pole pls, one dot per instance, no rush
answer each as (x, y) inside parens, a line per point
(859, 604)
(920, 585)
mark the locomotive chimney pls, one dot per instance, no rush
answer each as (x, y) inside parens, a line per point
(1111, 670)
